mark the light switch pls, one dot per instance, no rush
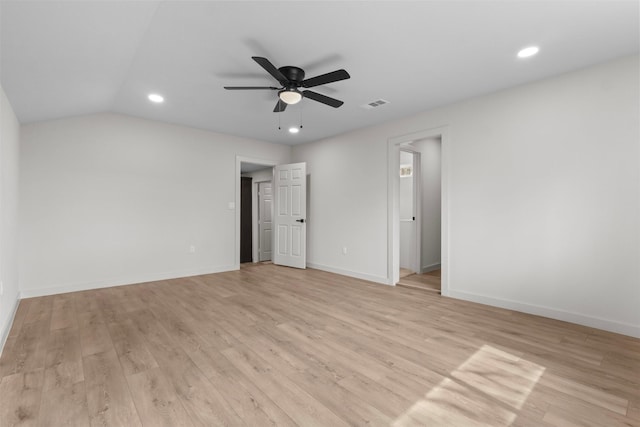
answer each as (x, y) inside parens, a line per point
(232, 205)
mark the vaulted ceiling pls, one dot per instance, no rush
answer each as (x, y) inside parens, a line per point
(67, 58)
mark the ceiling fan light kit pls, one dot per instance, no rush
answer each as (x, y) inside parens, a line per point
(290, 96)
(292, 78)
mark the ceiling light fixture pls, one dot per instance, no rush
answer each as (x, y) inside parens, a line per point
(154, 97)
(290, 96)
(293, 130)
(528, 51)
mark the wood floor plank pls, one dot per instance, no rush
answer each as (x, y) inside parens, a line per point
(39, 310)
(131, 348)
(570, 409)
(298, 404)
(248, 401)
(368, 368)
(87, 307)
(633, 412)
(425, 282)
(63, 312)
(586, 393)
(156, 400)
(203, 402)
(109, 401)
(20, 395)
(28, 350)
(21, 314)
(382, 398)
(161, 344)
(95, 338)
(64, 406)
(563, 417)
(349, 407)
(456, 404)
(251, 405)
(276, 346)
(63, 363)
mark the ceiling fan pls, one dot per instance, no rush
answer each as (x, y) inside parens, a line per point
(292, 79)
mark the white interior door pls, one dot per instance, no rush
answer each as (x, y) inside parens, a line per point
(265, 220)
(409, 201)
(290, 243)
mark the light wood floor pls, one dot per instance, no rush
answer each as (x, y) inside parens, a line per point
(426, 281)
(269, 345)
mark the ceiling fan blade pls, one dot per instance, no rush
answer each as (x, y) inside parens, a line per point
(280, 106)
(271, 69)
(335, 103)
(322, 79)
(250, 88)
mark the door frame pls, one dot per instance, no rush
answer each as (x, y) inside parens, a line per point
(239, 160)
(393, 205)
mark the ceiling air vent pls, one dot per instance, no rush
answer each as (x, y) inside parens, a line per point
(375, 104)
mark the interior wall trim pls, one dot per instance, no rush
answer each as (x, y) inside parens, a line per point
(8, 323)
(550, 312)
(431, 267)
(364, 276)
(122, 281)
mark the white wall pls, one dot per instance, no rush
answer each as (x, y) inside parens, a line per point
(9, 153)
(347, 202)
(110, 199)
(430, 152)
(544, 197)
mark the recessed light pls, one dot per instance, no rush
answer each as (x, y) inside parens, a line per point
(528, 51)
(154, 97)
(293, 130)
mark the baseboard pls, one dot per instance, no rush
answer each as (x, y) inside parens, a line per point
(429, 268)
(108, 283)
(552, 313)
(355, 274)
(8, 323)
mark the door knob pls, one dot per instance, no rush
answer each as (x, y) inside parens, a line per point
(300, 220)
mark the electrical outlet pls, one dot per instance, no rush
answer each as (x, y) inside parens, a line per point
(344, 250)
(192, 249)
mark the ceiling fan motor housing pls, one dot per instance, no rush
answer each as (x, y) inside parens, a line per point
(295, 75)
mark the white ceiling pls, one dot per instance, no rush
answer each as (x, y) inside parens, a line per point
(65, 58)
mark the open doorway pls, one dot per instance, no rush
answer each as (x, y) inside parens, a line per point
(427, 151)
(421, 214)
(289, 190)
(251, 173)
(246, 226)
(256, 212)
(264, 221)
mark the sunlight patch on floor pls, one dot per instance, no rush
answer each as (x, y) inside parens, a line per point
(486, 390)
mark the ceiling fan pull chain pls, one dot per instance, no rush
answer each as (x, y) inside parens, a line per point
(279, 121)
